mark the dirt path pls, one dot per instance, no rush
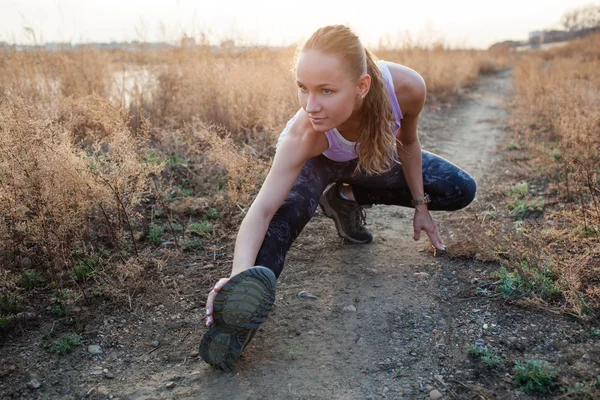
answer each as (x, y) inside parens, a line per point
(390, 319)
(380, 325)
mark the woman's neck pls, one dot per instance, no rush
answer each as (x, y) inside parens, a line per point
(350, 128)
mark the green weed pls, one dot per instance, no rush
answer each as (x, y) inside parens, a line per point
(534, 376)
(153, 158)
(179, 191)
(31, 278)
(86, 268)
(9, 303)
(62, 302)
(485, 355)
(529, 280)
(192, 244)
(212, 213)
(7, 323)
(155, 234)
(521, 208)
(521, 190)
(62, 345)
(512, 146)
(203, 228)
(176, 161)
(595, 332)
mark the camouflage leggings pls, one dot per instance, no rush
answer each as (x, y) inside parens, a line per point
(449, 187)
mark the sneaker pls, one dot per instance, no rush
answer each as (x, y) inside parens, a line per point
(240, 307)
(349, 217)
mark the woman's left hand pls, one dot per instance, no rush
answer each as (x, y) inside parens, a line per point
(423, 222)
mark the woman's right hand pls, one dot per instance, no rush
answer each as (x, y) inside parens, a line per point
(211, 300)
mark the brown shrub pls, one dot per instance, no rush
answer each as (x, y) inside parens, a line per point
(556, 111)
(55, 190)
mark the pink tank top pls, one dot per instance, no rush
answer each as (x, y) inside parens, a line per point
(341, 149)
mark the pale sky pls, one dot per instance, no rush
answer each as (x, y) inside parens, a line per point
(462, 23)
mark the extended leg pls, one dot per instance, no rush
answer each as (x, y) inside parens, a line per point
(295, 212)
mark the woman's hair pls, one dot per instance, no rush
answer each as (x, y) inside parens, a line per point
(377, 142)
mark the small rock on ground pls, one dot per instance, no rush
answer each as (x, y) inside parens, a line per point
(305, 295)
(435, 394)
(34, 384)
(95, 349)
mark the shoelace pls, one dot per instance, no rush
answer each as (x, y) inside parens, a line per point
(359, 217)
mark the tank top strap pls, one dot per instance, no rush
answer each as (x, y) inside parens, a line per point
(389, 83)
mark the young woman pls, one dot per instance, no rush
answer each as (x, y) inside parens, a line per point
(353, 143)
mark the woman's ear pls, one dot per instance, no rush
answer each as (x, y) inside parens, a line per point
(364, 85)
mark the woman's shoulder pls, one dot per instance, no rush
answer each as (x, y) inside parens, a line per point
(304, 137)
(409, 87)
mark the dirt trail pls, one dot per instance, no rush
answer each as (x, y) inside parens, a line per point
(380, 325)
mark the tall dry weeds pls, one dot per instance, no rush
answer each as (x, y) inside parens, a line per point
(69, 173)
(556, 111)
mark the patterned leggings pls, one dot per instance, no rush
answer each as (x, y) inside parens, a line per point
(449, 187)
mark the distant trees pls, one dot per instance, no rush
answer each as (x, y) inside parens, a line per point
(582, 18)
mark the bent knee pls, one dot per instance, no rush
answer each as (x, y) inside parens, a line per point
(467, 192)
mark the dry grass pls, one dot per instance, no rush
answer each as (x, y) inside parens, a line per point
(556, 112)
(447, 72)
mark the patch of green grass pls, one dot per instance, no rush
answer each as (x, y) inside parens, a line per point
(485, 355)
(88, 267)
(192, 244)
(7, 323)
(179, 191)
(176, 161)
(534, 376)
(31, 278)
(155, 234)
(203, 228)
(521, 190)
(512, 146)
(556, 155)
(595, 332)
(519, 227)
(63, 345)
(530, 280)
(62, 302)
(9, 303)
(509, 282)
(212, 213)
(521, 208)
(153, 158)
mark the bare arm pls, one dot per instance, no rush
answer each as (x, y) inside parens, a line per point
(289, 160)
(411, 92)
(300, 144)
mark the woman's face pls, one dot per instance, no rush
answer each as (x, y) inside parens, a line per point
(326, 90)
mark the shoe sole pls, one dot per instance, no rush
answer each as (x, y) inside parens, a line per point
(330, 212)
(241, 305)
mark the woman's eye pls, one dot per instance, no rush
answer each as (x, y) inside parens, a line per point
(327, 91)
(302, 88)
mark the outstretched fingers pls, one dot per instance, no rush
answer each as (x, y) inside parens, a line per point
(435, 238)
(211, 299)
